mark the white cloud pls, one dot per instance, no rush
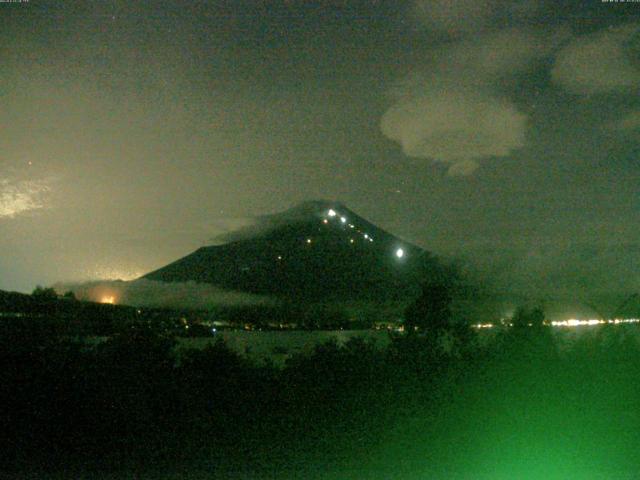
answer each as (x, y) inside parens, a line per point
(21, 196)
(599, 63)
(454, 110)
(455, 128)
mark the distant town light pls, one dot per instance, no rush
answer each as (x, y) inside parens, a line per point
(482, 325)
(399, 253)
(331, 212)
(573, 322)
(110, 299)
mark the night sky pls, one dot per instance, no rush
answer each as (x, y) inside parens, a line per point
(132, 133)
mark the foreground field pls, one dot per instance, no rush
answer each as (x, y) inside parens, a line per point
(517, 406)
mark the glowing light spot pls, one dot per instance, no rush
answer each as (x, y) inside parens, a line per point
(366, 236)
(279, 257)
(331, 212)
(351, 225)
(343, 219)
(351, 240)
(325, 221)
(308, 240)
(574, 322)
(110, 299)
(399, 253)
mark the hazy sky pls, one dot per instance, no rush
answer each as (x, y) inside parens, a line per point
(133, 132)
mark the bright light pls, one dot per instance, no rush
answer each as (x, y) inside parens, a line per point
(399, 253)
(308, 240)
(574, 322)
(343, 219)
(325, 221)
(331, 212)
(351, 240)
(108, 299)
(366, 236)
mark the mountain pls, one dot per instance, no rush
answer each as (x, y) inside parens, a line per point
(320, 249)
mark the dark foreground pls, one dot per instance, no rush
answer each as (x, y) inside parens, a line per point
(130, 408)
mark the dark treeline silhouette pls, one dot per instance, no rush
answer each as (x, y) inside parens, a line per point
(65, 315)
(134, 403)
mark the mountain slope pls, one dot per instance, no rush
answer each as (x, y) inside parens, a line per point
(317, 249)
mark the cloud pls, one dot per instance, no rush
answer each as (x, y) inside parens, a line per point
(454, 110)
(569, 269)
(19, 196)
(466, 167)
(263, 224)
(492, 58)
(226, 227)
(600, 63)
(148, 293)
(459, 17)
(455, 128)
(454, 16)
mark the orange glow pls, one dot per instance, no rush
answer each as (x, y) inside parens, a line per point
(108, 299)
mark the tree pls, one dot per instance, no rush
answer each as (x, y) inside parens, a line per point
(431, 311)
(70, 296)
(528, 317)
(44, 293)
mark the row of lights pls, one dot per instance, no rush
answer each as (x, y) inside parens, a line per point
(332, 213)
(343, 220)
(399, 252)
(572, 322)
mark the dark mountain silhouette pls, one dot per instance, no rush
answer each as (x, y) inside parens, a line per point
(316, 250)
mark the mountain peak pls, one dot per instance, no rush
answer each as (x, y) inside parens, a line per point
(317, 248)
(262, 225)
